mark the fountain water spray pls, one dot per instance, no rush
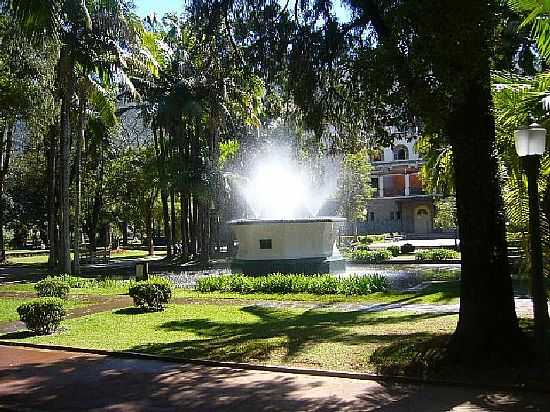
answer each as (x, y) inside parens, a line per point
(286, 235)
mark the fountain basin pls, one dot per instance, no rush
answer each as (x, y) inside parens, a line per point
(305, 245)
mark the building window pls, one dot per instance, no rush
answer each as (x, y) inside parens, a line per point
(398, 215)
(372, 216)
(392, 215)
(265, 244)
(400, 153)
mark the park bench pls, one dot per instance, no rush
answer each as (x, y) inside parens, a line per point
(102, 255)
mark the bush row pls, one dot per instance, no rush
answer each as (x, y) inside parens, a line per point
(282, 283)
(371, 256)
(435, 255)
(103, 283)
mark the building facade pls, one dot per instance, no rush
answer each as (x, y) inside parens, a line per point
(399, 203)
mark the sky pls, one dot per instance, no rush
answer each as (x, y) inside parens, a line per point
(144, 7)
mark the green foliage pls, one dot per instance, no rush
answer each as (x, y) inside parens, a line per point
(354, 185)
(537, 13)
(437, 171)
(282, 283)
(228, 151)
(371, 256)
(91, 283)
(394, 250)
(434, 255)
(51, 287)
(43, 315)
(445, 213)
(151, 295)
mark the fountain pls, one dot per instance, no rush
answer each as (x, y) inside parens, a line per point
(286, 236)
(306, 245)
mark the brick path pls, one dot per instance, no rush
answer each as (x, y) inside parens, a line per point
(47, 380)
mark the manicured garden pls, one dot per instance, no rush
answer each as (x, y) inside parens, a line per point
(328, 289)
(298, 337)
(246, 319)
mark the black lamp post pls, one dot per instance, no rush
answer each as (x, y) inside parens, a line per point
(530, 145)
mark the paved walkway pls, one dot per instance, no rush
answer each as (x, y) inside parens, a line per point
(47, 380)
(31, 273)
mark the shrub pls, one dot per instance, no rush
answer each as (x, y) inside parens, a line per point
(51, 287)
(435, 255)
(104, 282)
(42, 315)
(363, 285)
(394, 250)
(371, 256)
(360, 246)
(283, 283)
(407, 248)
(151, 294)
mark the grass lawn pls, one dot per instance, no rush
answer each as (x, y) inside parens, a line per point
(8, 307)
(317, 339)
(115, 255)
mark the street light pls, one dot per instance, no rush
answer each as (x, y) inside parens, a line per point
(530, 145)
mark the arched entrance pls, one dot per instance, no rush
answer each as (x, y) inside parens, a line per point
(422, 220)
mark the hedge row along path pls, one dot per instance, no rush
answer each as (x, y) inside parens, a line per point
(107, 303)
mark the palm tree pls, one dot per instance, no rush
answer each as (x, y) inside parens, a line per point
(96, 36)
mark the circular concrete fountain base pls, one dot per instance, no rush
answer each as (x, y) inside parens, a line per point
(308, 266)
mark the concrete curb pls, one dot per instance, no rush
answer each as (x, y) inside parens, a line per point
(286, 369)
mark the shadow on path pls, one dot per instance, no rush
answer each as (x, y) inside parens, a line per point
(56, 380)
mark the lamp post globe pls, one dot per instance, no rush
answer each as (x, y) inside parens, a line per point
(530, 145)
(530, 141)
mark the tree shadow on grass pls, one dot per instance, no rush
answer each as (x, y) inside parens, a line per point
(130, 311)
(23, 334)
(286, 332)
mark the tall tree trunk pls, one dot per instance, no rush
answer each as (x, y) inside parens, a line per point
(166, 221)
(487, 327)
(66, 73)
(149, 233)
(79, 140)
(205, 232)
(192, 226)
(173, 216)
(125, 233)
(5, 154)
(184, 226)
(52, 213)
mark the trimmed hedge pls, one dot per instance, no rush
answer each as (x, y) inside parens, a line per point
(105, 282)
(394, 250)
(283, 283)
(371, 256)
(42, 315)
(53, 288)
(151, 295)
(435, 255)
